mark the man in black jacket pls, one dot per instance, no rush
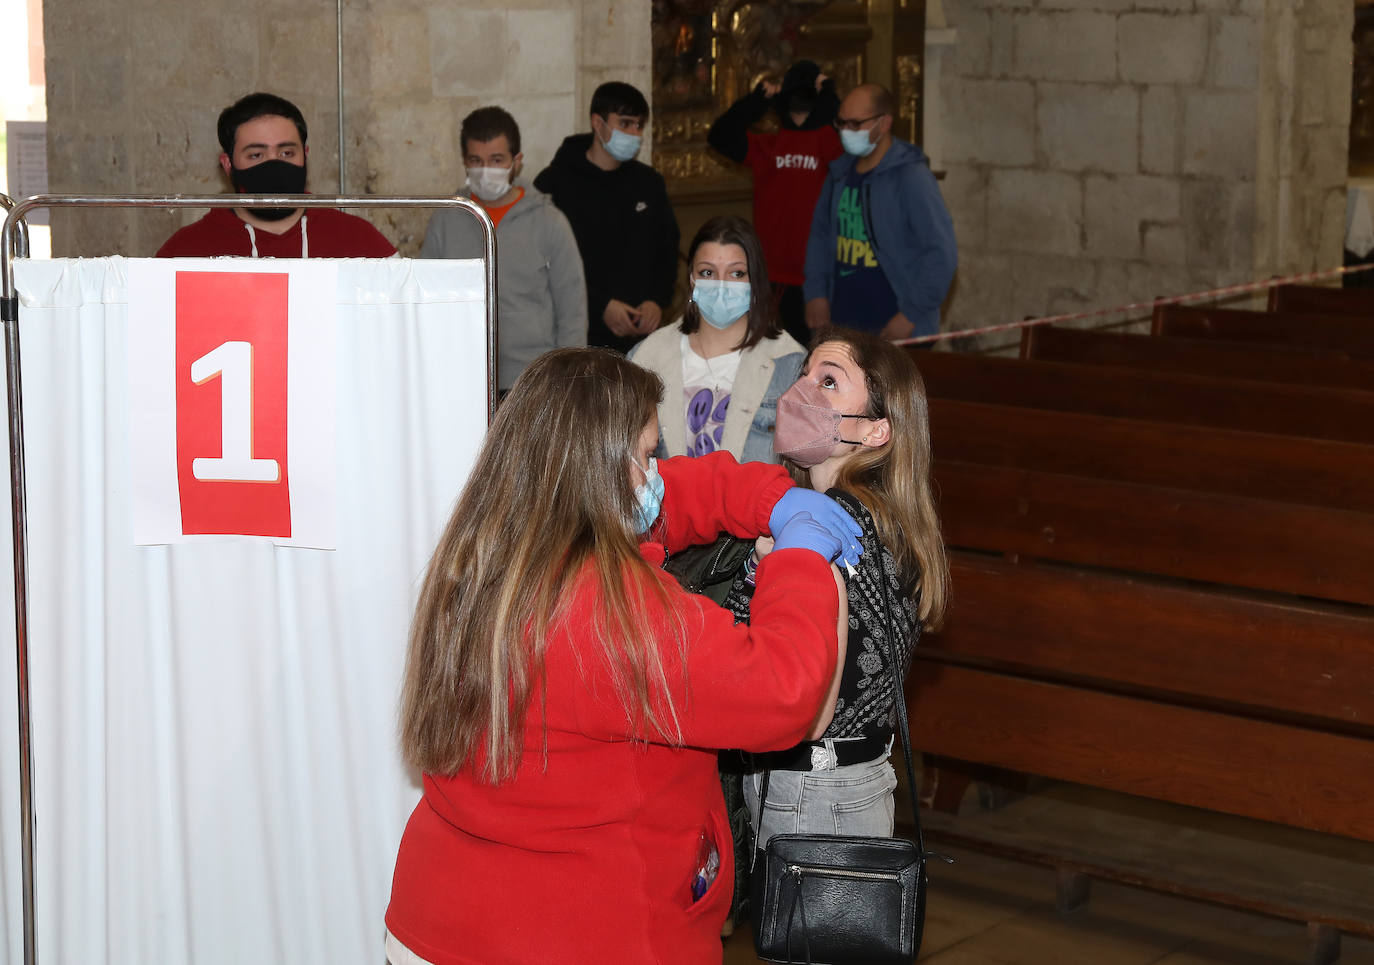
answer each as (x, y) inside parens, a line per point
(621, 217)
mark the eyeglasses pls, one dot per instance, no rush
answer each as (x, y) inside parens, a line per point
(844, 125)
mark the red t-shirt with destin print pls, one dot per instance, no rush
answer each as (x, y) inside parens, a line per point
(789, 168)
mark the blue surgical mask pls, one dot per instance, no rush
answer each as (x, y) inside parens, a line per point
(648, 496)
(721, 302)
(622, 146)
(857, 143)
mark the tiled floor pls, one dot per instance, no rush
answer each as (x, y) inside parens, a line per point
(987, 911)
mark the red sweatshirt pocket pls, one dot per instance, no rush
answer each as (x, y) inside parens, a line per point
(713, 872)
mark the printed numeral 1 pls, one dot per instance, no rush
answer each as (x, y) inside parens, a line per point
(233, 363)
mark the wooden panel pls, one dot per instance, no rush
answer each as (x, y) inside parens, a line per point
(1319, 413)
(1231, 360)
(1342, 333)
(1230, 540)
(1285, 872)
(1316, 472)
(1274, 772)
(1321, 300)
(1264, 656)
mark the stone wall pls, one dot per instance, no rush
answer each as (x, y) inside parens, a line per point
(133, 93)
(539, 59)
(1097, 151)
(1106, 151)
(1304, 135)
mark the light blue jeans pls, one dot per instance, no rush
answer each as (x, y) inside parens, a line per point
(854, 799)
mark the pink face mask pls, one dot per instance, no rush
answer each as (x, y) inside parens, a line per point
(808, 429)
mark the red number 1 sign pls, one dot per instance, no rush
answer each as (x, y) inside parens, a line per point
(231, 403)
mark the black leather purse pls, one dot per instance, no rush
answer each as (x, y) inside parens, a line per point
(710, 570)
(828, 899)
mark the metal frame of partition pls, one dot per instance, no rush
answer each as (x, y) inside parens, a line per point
(21, 238)
(15, 244)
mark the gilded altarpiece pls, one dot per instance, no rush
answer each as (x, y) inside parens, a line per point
(708, 53)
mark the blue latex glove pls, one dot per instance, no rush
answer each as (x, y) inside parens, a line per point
(823, 510)
(804, 532)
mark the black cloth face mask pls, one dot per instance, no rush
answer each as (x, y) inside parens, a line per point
(270, 177)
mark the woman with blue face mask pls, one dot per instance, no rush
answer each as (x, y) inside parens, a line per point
(562, 693)
(726, 361)
(723, 365)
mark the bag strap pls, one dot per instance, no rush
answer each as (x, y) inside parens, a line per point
(903, 729)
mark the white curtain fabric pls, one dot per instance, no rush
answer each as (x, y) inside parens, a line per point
(215, 760)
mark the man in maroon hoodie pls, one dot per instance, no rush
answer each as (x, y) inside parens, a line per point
(789, 167)
(263, 137)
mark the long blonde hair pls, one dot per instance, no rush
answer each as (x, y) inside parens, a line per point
(893, 481)
(550, 493)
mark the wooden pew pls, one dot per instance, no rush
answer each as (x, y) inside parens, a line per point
(1321, 300)
(1161, 587)
(1237, 360)
(1250, 705)
(1150, 672)
(1343, 333)
(1299, 410)
(1187, 644)
(1199, 459)
(1223, 539)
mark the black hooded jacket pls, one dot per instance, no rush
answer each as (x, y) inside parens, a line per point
(625, 231)
(730, 133)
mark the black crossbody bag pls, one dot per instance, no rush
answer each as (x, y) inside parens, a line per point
(830, 899)
(710, 570)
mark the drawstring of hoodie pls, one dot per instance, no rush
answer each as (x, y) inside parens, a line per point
(253, 239)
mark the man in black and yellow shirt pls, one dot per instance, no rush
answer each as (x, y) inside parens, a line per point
(881, 254)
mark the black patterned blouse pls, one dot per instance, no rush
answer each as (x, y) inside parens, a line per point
(866, 705)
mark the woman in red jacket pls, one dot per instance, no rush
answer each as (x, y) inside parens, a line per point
(564, 698)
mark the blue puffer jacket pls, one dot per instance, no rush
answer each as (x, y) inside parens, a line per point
(913, 237)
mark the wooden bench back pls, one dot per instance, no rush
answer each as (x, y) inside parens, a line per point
(1248, 766)
(1315, 472)
(1209, 357)
(1225, 650)
(1343, 333)
(1282, 409)
(1322, 300)
(1220, 700)
(1221, 539)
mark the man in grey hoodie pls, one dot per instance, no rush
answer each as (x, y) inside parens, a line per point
(541, 291)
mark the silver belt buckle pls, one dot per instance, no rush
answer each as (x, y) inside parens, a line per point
(823, 756)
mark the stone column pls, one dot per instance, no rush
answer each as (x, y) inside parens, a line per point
(1304, 128)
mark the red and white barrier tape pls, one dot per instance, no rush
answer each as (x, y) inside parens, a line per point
(1137, 306)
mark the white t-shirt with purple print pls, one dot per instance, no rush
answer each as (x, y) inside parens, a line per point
(706, 387)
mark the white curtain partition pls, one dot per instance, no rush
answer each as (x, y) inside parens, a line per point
(215, 762)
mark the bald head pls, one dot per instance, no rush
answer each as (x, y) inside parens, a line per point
(865, 123)
(866, 100)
